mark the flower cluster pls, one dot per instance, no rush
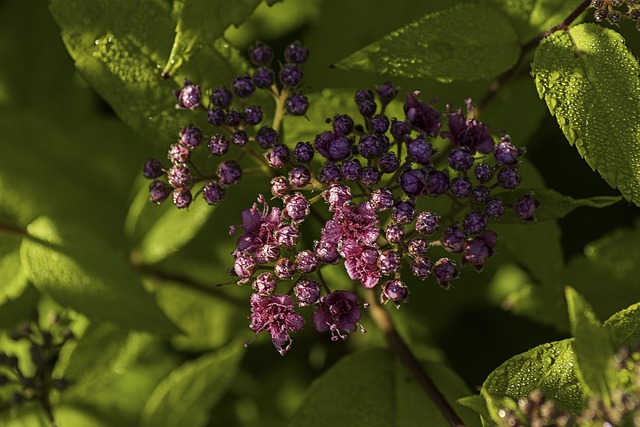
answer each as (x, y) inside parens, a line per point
(606, 10)
(379, 176)
(237, 126)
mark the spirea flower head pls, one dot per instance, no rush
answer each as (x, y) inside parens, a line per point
(338, 313)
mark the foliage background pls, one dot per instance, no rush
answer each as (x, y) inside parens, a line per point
(68, 157)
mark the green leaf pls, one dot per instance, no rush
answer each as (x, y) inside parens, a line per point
(80, 270)
(477, 404)
(553, 205)
(120, 48)
(589, 80)
(161, 230)
(186, 396)
(549, 368)
(13, 280)
(372, 388)
(14, 311)
(593, 349)
(465, 42)
(624, 327)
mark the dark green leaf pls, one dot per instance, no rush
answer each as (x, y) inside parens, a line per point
(372, 388)
(549, 368)
(13, 280)
(466, 42)
(592, 347)
(80, 270)
(624, 327)
(15, 310)
(478, 405)
(187, 394)
(589, 80)
(553, 205)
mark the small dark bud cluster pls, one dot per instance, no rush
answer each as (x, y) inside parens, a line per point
(237, 128)
(610, 11)
(28, 379)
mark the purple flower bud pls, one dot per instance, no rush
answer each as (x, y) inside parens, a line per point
(343, 124)
(453, 239)
(427, 223)
(290, 76)
(287, 236)
(379, 123)
(233, 118)
(277, 315)
(417, 246)
(386, 93)
(370, 176)
(506, 153)
(267, 253)
(337, 196)
(280, 186)
(494, 207)
(153, 169)
(330, 174)
(189, 96)
(218, 145)
(299, 176)
(240, 138)
(389, 162)
(421, 267)
(179, 175)
(252, 115)
(403, 212)
(483, 173)
(508, 178)
(306, 262)
(332, 147)
(297, 105)
(461, 187)
(460, 160)
(260, 54)
(296, 53)
(182, 197)
(382, 199)
(278, 157)
(389, 262)
(444, 271)
(469, 133)
(216, 117)
(307, 291)
(367, 108)
(265, 283)
(394, 291)
(351, 169)
(479, 249)
(437, 182)
(422, 116)
(159, 191)
(190, 136)
(263, 77)
(413, 182)
(229, 172)
(178, 154)
(213, 192)
(221, 97)
(338, 313)
(243, 266)
(303, 153)
(284, 268)
(369, 147)
(243, 86)
(474, 222)
(266, 137)
(327, 252)
(296, 207)
(363, 95)
(394, 233)
(480, 193)
(419, 150)
(399, 130)
(525, 207)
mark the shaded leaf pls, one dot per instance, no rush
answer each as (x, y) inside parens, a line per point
(477, 404)
(187, 394)
(592, 346)
(465, 42)
(624, 327)
(373, 388)
(80, 270)
(13, 280)
(15, 310)
(589, 80)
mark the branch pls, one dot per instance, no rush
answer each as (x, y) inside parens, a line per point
(13, 229)
(400, 348)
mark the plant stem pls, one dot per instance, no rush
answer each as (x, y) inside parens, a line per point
(13, 229)
(400, 348)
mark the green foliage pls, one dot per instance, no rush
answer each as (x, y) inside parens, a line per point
(589, 80)
(466, 42)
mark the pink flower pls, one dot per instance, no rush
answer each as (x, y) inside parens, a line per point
(277, 315)
(338, 312)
